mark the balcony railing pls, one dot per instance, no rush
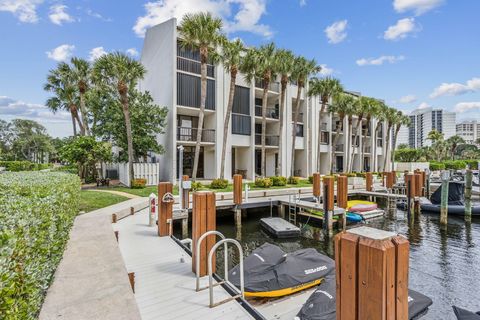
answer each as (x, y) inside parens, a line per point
(339, 148)
(324, 137)
(270, 140)
(193, 66)
(272, 86)
(368, 150)
(379, 143)
(190, 134)
(272, 112)
(324, 126)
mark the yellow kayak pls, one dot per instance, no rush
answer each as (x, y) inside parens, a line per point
(360, 205)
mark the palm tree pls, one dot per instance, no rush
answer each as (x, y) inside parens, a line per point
(201, 31)
(284, 67)
(59, 82)
(260, 64)
(371, 109)
(324, 88)
(454, 142)
(402, 120)
(356, 109)
(379, 111)
(120, 72)
(435, 136)
(341, 104)
(231, 57)
(302, 69)
(391, 116)
(81, 75)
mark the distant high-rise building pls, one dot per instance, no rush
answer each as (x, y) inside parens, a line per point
(422, 122)
(469, 130)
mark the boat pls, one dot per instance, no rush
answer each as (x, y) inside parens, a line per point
(463, 314)
(271, 272)
(321, 305)
(354, 217)
(361, 206)
(456, 201)
(280, 228)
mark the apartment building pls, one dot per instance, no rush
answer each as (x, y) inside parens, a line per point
(469, 131)
(173, 80)
(422, 122)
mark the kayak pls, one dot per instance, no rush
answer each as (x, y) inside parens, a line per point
(354, 217)
(361, 206)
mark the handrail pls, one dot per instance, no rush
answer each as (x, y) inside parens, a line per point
(210, 273)
(197, 256)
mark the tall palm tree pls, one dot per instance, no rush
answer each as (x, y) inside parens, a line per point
(120, 72)
(302, 69)
(435, 136)
(370, 109)
(379, 113)
(454, 142)
(402, 120)
(59, 83)
(231, 57)
(340, 105)
(391, 116)
(201, 31)
(284, 67)
(260, 64)
(324, 88)
(81, 75)
(352, 109)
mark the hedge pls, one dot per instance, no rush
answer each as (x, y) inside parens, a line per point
(16, 166)
(37, 210)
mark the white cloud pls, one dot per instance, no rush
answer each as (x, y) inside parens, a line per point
(237, 15)
(455, 88)
(408, 99)
(336, 31)
(379, 61)
(58, 14)
(97, 15)
(423, 105)
(24, 10)
(303, 3)
(61, 53)
(96, 53)
(15, 108)
(132, 52)
(401, 29)
(418, 6)
(325, 71)
(466, 106)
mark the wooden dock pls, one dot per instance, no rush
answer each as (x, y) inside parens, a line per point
(164, 282)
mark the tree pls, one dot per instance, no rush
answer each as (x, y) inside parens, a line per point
(201, 31)
(119, 71)
(324, 88)
(340, 105)
(81, 76)
(391, 116)
(454, 142)
(232, 60)
(353, 109)
(406, 154)
(378, 112)
(284, 67)
(260, 64)
(401, 120)
(371, 110)
(60, 83)
(6, 139)
(30, 141)
(147, 120)
(435, 136)
(302, 69)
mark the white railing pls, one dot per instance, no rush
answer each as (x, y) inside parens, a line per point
(147, 171)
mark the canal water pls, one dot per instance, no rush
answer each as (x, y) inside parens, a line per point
(444, 263)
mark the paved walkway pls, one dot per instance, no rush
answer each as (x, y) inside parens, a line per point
(119, 193)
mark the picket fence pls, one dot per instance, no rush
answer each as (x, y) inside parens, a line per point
(147, 171)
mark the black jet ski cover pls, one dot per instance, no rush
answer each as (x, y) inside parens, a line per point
(269, 268)
(322, 303)
(417, 304)
(456, 194)
(463, 314)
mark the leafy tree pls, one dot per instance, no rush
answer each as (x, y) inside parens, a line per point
(341, 104)
(407, 154)
(30, 141)
(80, 72)
(400, 120)
(402, 146)
(392, 117)
(454, 142)
(6, 139)
(435, 136)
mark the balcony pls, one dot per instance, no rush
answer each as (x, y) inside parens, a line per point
(368, 149)
(193, 66)
(272, 86)
(324, 137)
(272, 112)
(241, 124)
(300, 117)
(379, 143)
(185, 134)
(324, 127)
(270, 140)
(366, 132)
(339, 148)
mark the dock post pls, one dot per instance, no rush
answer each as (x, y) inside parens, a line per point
(203, 220)
(237, 200)
(423, 177)
(371, 274)
(165, 209)
(185, 194)
(368, 181)
(342, 198)
(444, 199)
(316, 186)
(427, 183)
(468, 195)
(328, 198)
(418, 191)
(281, 211)
(410, 192)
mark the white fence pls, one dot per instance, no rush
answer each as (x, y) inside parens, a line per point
(411, 166)
(147, 171)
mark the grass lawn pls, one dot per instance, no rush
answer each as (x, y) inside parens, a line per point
(145, 192)
(92, 200)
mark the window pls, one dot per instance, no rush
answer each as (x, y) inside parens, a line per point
(188, 91)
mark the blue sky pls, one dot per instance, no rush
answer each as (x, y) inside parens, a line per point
(411, 53)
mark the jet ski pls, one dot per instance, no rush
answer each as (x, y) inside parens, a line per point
(463, 314)
(456, 201)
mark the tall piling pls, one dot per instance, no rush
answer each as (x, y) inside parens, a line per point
(328, 204)
(316, 185)
(368, 181)
(185, 193)
(468, 195)
(342, 197)
(237, 200)
(203, 220)
(410, 193)
(165, 209)
(444, 198)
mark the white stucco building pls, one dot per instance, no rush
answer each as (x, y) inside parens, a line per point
(469, 130)
(173, 79)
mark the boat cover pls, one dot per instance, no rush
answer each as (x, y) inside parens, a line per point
(270, 272)
(463, 314)
(456, 194)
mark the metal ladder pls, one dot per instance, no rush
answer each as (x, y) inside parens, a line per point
(292, 208)
(211, 284)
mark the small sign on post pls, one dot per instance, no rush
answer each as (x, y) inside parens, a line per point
(152, 212)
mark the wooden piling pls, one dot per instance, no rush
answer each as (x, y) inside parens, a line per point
(185, 194)
(316, 185)
(165, 209)
(328, 204)
(444, 198)
(237, 189)
(410, 193)
(371, 275)
(468, 195)
(390, 180)
(342, 198)
(203, 220)
(114, 218)
(423, 178)
(369, 181)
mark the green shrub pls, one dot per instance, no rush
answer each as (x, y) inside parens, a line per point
(455, 164)
(16, 166)
(473, 164)
(263, 182)
(435, 166)
(219, 184)
(196, 186)
(278, 181)
(68, 168)
(293, 180)
(139, 183)
(361, 174)
(310, 179)
(37, 210)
